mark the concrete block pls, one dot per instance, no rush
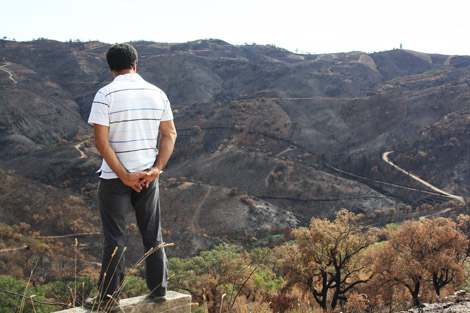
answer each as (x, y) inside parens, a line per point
(176, 303)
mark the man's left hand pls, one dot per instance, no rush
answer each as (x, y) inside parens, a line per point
(151, 175)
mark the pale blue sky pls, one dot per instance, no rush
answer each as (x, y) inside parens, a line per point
(432, 26)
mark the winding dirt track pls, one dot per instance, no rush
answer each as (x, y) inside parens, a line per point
(3, 68)
(82, 154)
(194, 226)
(387, 160)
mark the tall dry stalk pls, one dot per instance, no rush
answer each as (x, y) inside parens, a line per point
(74, 296)
(102, 280)
(26, 287)
(115, 293)
(141, 260)
(115, 296)
(115, 268)
(222, 302)
(32, 303)
(244, 283)
(206, 310)
(83, 291)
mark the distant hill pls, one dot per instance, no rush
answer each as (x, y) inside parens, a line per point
(261, 123)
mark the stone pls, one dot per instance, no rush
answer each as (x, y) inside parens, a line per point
(456, 303)
(175, 303)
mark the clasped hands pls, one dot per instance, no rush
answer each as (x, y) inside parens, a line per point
(139, 180)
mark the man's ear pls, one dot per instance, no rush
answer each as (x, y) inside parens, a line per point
(113, 72)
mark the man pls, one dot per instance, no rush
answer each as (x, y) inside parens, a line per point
(127, 116)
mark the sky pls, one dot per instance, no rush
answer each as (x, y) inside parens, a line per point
(303, 26)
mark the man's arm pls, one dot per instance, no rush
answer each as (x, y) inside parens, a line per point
(165, 149)
(133, 180)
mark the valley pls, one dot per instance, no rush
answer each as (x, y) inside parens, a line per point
(267, 139)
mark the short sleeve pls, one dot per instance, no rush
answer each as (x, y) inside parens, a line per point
(99, 113)
(167, 113)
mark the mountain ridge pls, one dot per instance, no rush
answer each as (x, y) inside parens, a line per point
(259, 119)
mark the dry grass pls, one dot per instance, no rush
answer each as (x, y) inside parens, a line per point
(115, 296)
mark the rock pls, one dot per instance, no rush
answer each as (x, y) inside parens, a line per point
(459, 302)
(176, 303)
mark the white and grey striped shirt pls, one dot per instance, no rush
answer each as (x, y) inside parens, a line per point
(132, 109)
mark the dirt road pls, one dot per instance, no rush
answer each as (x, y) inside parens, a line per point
(387, 160)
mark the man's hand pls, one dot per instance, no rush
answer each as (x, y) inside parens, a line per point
(150, 175)
(134, 180)
(165, 149)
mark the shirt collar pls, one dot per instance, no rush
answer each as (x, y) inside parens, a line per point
(128, 77)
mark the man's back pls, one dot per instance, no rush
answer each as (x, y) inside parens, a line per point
(132, 109)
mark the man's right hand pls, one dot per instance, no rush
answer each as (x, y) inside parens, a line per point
(133, 180)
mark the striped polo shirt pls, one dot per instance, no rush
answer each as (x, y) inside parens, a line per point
(133, 110)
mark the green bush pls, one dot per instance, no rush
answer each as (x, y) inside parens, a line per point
(13, 302)
(135, 286)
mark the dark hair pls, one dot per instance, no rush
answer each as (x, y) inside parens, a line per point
(121, 57)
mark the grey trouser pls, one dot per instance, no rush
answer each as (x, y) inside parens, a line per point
(114, 199)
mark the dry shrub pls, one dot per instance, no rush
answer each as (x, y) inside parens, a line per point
(246, 199)
(280, 302)
(357, 303)
(90, 272)
(242, 305)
